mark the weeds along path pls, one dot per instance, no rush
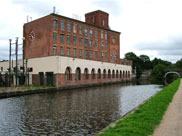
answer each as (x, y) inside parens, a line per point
(171, 124)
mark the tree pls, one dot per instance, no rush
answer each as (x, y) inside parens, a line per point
(138, 71)
(145, 62)
(132, 56)
(179, 64)
(158, 72)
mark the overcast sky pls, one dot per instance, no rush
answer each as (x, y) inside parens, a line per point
(151, 27)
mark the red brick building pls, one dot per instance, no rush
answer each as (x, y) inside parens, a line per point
(76, 52)
(59, 35)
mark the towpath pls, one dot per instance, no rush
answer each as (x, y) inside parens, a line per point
(171, 124)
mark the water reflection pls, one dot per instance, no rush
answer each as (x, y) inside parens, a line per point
(75, 112)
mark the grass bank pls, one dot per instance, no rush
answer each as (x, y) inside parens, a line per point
(144, 119)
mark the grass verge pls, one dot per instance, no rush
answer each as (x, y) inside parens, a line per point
(143, 120)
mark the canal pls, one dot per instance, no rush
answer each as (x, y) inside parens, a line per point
(78, 112)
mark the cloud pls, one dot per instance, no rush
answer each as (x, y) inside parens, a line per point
(35, 7)
(111, 6)
(170, 48)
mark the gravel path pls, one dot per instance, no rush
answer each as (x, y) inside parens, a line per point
(171, 124)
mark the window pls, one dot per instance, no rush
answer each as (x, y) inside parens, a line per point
(86, 53)
(90, 54)
(80, 52)
(117, 73)
(69, 27)
(105, 36)
(93, 73)
(103, 22)
(86, 76)
(62, 25)
(54, 36)
(104, 73)
(68, 75)
(78, 74)
(115, 57)
(102, 35)
(74, 28)
(96, 34)
(113, 40)
(80, 29)
(96, 44)
(68, 51)
(106, 55)
(111, 57)
(74, 40)
(62, 50)
(62, 38)
(96, 54)
(102, 55)
(102, 44)
(80, 41)
(113, 74)
(68, 39)
(55, 24)
(54, 50)
(91, 32)
(106, 45)
(91, 43)
(99, 74)
(109, 73)
(86, 42)
(1, 69)
(74, 52)
(86, 31)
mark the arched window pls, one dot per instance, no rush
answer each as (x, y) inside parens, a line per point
(113, 74)
(117, 73)
(93, 73)
(109, 73)
(104, 74)
(129, 74)
(68, 75)
(99, 74)
(123, 74)
(126, 74)
(120, 74)
(86, 76)
(78, 74)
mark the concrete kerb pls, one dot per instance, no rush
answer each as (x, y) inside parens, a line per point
(14, 93)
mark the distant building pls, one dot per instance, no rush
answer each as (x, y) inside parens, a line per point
(74, 52)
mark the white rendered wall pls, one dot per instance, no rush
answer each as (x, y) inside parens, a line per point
(58, 64)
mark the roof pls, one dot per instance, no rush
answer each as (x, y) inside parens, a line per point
(97, 11)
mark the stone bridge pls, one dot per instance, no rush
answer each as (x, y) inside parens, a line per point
(173, 71)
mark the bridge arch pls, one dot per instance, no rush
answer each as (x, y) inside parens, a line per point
(172, 72)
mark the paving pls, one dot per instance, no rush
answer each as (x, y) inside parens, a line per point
(171, 124)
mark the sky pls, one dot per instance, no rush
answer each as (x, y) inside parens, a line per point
(150, 27)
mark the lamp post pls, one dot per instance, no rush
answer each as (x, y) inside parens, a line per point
(23, 60)
(16, 72)
(10, 62)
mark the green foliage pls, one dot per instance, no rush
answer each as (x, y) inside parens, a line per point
(138, 71)
(144, 120)
(158, 72)
(179, 64)
(157, 61)
(145, 62)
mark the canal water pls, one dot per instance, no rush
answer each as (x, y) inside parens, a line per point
(78, 112)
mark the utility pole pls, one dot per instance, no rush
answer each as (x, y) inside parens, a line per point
(10, 62)
(16, 61)
(23, 61)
